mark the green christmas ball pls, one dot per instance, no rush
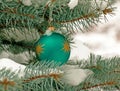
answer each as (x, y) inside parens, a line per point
(54, 47)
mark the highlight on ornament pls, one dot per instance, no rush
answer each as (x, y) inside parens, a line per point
(54, 47)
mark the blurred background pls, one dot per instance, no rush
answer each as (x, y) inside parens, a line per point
(104, 39)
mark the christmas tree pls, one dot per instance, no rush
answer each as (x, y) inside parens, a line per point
(36, 43)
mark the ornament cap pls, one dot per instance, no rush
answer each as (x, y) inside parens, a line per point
(51, 28)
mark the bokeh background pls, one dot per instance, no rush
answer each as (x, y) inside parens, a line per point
(104, 39)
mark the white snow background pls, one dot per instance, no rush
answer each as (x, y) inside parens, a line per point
(104, 40)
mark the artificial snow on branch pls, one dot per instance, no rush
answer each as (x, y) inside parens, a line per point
(72, 4)
(27, 2)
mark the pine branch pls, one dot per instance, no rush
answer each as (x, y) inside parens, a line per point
(102, 74)
(14, 11)
(19, 44)
(109, 83)
(9, 80)
(115, 71)
(39, 73)
(39, 18)
(92, 15)
(6, 83)
(17, 15)
(55, 76)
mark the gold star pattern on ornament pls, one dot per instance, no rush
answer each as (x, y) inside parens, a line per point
(66, 46)
(39, 49)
